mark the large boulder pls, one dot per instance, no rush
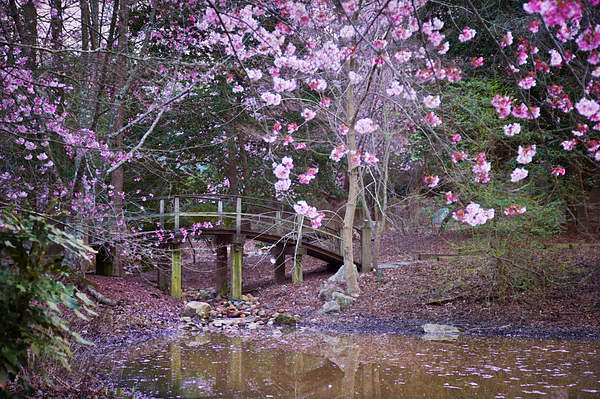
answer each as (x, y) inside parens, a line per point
(345, 301)
(340, 276)
(327, 289)
(330, 307)
(197, 309)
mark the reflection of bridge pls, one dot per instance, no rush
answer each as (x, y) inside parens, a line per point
(232, 220)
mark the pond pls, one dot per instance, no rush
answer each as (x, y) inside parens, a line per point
(303, 364)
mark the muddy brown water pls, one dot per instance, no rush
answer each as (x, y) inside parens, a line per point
(304, 364)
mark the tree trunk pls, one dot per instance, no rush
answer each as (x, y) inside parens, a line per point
(118, 174)
(348, 227)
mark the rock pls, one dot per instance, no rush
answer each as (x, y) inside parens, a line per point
(343, 300)
(441, 336)
(340, 276)
(441, 329)
(185, 319)
(252, 326)
(327, 289)
(330, 307)
(245, 298)
(197, 309)
(283, 319)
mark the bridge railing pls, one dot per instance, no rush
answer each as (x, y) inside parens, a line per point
(234, 213)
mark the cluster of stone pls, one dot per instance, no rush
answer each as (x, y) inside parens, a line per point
(221, 312)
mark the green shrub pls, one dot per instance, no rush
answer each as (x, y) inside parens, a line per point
(32, 295)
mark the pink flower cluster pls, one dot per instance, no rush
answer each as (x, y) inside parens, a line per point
(316, 218)
(310, 174)
(467, 34)
(450, 197)
(514, 209)
(526, 154)
(518, 174)
(482, 168)
(558, 171)
(503, 105)
(473, 214)
(432, 181)
(282, 172)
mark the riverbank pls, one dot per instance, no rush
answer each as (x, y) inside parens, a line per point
(553, 293)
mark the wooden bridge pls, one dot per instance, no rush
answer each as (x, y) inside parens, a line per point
(232, 220)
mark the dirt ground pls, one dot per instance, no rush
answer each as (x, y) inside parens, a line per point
(536, 287)
(547, 287)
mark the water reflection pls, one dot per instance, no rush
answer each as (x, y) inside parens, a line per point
(311, 365)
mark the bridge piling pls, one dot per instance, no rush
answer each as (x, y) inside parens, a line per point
(278, 253)
(237, 255)
(221, 268)
(365, 248)
(176, 271)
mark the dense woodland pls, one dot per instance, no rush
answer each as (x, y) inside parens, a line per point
(487, 111)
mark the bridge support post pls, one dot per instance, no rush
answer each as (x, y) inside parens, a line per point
(237, 254)
(365, 248)
(297, 274)
(176, 271)
(221, 242)
(278, 253)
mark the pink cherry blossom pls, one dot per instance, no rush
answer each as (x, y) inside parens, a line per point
(308, 114)
(507, 39)
(283, 185)
(476, 62)
(467, 34)
(526, 154)
(558, 171)
(431, 101)
(365, 126)
(512, 129)
(514, 209)
(473, 215)
(587, 107)
(370, 159)
(451, 198)
(432, 181)
(271, 99)
(432, 119)
(527, 83)
(503, 105)
(568, 145)
(254, 74)
(300, 146)
(338, 153)
(456, 138)
(555, 58)
(518, 174)
(459, 156)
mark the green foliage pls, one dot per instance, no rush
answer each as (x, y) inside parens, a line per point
(32, 296)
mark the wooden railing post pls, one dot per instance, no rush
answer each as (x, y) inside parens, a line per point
(365, 247)
(220, 211)
(162, 213)
(238, 215)
(176, 211)
(278, 223)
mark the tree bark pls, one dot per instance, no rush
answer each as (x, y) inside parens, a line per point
(117, 176)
